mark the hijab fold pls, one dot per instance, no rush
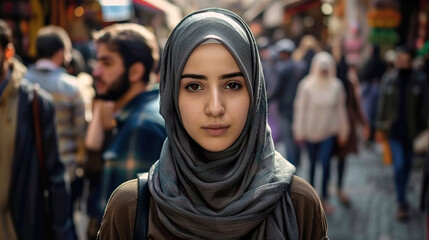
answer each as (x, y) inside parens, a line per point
(236, 193)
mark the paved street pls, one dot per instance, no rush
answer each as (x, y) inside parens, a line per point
(372, 215)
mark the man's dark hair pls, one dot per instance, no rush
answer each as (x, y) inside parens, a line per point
(5, 34)
(134, 43)
(50, 39)
(405, 49)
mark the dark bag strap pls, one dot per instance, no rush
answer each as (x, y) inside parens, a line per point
(142, 212)
(38, 133)
(41, 162)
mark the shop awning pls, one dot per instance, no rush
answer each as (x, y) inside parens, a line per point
(271, 6)
(146, 4)
(172, 12)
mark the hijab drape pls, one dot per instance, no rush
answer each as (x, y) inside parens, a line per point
(241, 191)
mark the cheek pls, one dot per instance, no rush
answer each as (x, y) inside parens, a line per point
(112, 75)
(188, 112)
(240, 108)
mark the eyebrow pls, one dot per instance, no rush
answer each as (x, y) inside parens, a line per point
(104, 58)
(202, 77)
(195, 76)
(231, 75)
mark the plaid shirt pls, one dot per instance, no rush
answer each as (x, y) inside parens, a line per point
(136, 142)
(69, 112)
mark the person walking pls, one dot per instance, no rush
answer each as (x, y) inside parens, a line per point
(347, 74)
(290, 73)
(370, 78)
(320, 117)
(402, 114)
(34, 203)
(53, 47)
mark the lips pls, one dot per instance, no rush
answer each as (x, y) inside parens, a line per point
(99, 85)
(215, 129)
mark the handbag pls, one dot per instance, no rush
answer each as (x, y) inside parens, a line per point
(421, 142)
(42, 171)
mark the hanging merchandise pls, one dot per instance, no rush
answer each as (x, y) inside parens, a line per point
(353, 44)
(421, 45)
(424, 50)
(384, 18)
(36, 22)
(58, 17)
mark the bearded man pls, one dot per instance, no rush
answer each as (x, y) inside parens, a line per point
(127, 55)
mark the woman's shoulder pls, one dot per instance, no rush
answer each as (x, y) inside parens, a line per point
(119, 216)
(125, 193)
(308, 209)
(301, 190)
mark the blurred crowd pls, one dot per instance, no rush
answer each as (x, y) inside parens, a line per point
(319, 102)
(325, 104)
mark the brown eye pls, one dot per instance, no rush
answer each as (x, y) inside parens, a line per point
(233, 86)
(193, 87)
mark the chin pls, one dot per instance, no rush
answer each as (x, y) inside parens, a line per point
(215, 147)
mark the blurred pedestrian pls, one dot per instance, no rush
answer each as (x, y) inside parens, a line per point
(347, 74)
(267, 60)
(424, 199)
(127, 56)
(320, 117)
(370, 78)
(304, 53)
(268, 66)
(34, 203)
(402, 114)
(98, 139)
(85, 82)
(219, 176)
(289, 75)
(53, 47)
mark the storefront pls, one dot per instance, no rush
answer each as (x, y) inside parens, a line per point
(80, 18)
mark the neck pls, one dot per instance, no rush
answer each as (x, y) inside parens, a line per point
(46, 63)
(4, 71)
(134, 90)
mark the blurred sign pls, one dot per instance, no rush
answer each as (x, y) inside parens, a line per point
(116, 10)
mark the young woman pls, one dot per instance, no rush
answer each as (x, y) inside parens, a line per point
(320, 116)
(218, 176)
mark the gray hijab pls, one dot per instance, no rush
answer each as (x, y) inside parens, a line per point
(239, 193)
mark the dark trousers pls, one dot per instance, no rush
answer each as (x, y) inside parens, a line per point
(321, 151)
(402, 162)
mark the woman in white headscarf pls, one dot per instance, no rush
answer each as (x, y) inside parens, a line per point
(218, 176)
(320, 116)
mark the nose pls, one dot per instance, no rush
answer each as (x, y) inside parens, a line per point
(96, 72)
(214, 106)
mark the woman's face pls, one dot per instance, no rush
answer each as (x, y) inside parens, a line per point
(324, 69)
(213, 97)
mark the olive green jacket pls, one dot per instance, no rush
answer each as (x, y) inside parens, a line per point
(417, 97)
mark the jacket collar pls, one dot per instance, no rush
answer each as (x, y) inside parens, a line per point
(16, 74)
(135, 104)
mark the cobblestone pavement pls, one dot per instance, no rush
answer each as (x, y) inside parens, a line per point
(371, 216)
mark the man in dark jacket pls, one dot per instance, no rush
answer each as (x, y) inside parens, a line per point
(402, 115)
(289, 74)
(23, 206)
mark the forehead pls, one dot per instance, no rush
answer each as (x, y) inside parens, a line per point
(403, 55)
(210, 51)
(103, 51)
(211, 58)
